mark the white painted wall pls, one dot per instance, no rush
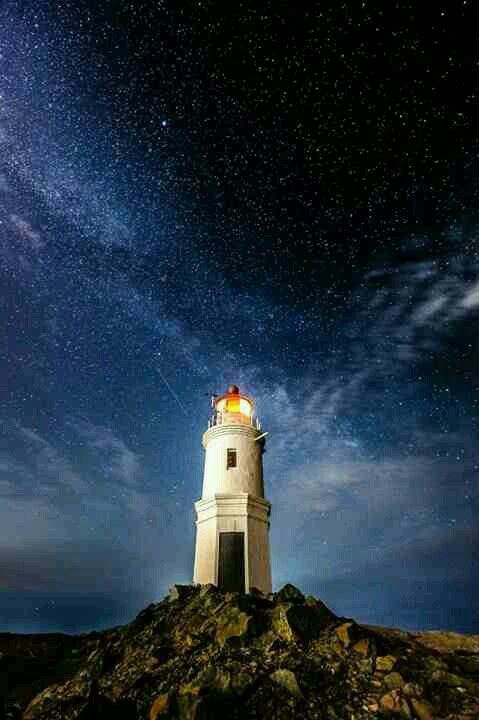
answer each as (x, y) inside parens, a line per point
(233, 513)
(247, 476)
(233, 501)
(259, 553)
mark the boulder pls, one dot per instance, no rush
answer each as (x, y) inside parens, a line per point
(362, 647)
(240, 682)
(342, 631)
(232, 623)
(179, 592)
(393, 704)
(412, 689)
(452, 680)
(280, 624)
(289, 593)
(393, 680)
(208, 589)
(287, 679)
(308, 622)
(161, 707)
(49, 702)
(385, 663)
(254, 592)
(422, 709)
(468, 663)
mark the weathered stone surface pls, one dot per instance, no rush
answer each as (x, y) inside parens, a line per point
(362, 647)
(240, 682)
(289, 593)
(257, 593)
(343, 633)
(161, 707)
(208, 589)
(468, 664)
(412, 689)
(449, 642)
(393, 680)
(307, 622)
(454, 681)
(422, 709)
(280, 624)
(385, 663)
(233, 623)
(179, 592)
(287, 679)
(206, 655)
(393, 704)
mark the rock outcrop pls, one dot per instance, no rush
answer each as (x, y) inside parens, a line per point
(203, 654)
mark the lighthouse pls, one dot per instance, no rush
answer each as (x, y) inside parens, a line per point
(232, 517)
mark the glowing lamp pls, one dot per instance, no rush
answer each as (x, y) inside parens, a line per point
(234, 407)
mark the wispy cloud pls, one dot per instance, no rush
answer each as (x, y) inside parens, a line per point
(119, 460)
(20, 243)
(402, 317)
(365, 513)
(24, 230)
(50, 464)
(51, 509)
(470, 299)
(4, 184)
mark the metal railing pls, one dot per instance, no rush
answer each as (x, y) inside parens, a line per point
(233, 419)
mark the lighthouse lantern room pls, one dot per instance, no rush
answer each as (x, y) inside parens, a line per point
(232, 517)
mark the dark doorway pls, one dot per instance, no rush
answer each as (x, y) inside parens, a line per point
(231, 562)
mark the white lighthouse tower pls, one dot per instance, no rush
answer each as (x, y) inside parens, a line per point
(232, 526)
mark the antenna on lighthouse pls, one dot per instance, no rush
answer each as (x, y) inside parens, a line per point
(212, 397)
(261, 436)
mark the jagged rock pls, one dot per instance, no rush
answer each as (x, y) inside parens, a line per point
(257, 593)
(179, 592)
(280, 624)
(454, 681)
(208, 592)
(411, 689)
(422, 709)
(201, 655)
(385, 663)
(287, 679)
(240, 682)
(468, 664)
(233, 623)
(362, 647)
(393, 704)
(343, 633)
(307, 622)
(289, 593)
(161, 706)
(393, 680)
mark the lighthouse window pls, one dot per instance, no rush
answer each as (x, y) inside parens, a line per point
(230, 458)
(233, 405)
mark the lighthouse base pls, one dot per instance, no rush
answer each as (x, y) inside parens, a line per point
(232, 543)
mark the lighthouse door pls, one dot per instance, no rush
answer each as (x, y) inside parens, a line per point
(231, 562)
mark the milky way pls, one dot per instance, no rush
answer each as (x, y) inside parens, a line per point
(192, 197)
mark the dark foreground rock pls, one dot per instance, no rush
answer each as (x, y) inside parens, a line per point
(201, 654)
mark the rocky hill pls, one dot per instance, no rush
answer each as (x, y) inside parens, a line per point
(202, 654)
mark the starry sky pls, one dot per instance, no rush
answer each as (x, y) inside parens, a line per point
(194, 194)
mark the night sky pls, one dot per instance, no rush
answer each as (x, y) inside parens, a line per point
(191, 196)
